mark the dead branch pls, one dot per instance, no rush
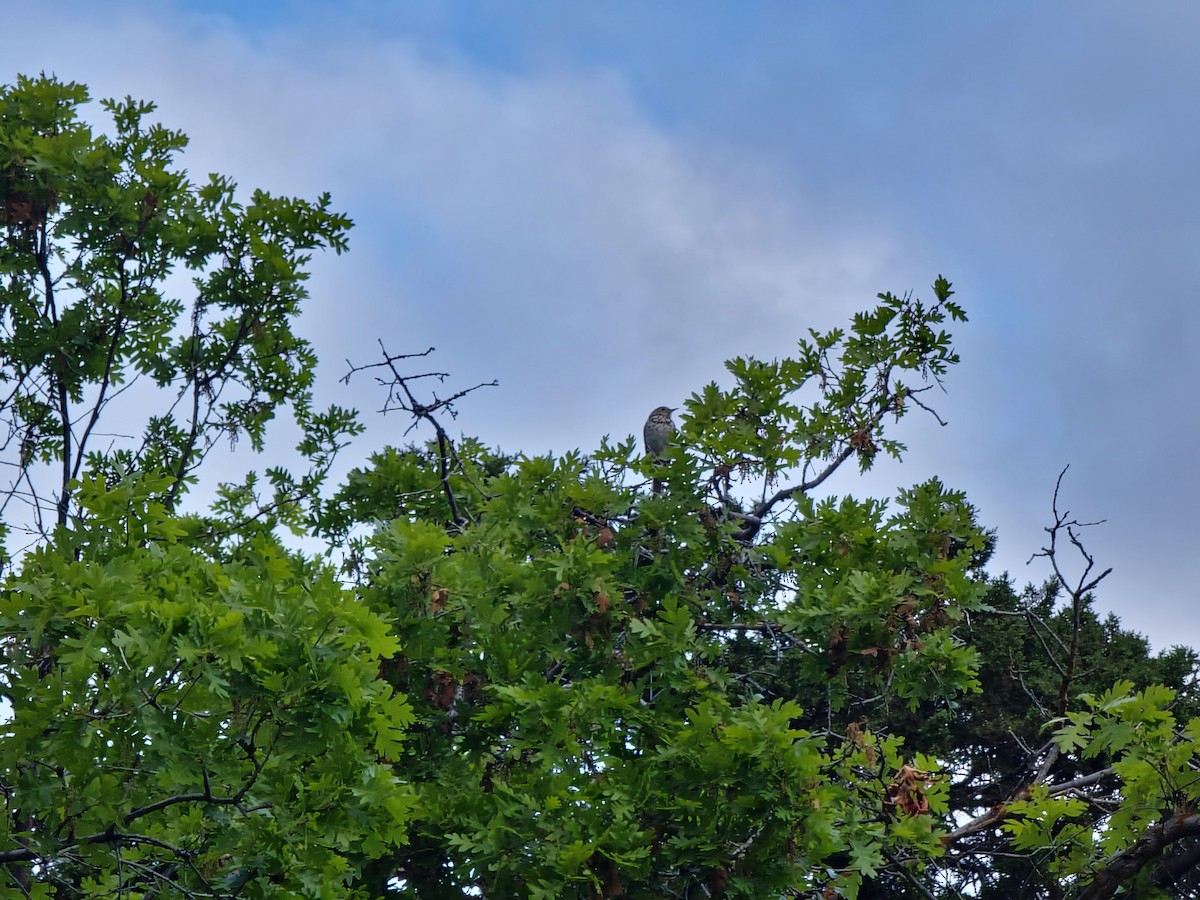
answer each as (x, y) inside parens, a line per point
(1063, 523)
(401, 397)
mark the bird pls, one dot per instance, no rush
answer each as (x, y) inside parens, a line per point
(658, 430)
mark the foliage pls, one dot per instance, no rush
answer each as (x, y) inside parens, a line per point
(190, 708)
(94, 227)
(587, 676)
(190, 719)
(996, 747)
(576, 647)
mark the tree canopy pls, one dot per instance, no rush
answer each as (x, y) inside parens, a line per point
(513, 675)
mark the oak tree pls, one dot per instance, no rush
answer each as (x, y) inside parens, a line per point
(692, 673)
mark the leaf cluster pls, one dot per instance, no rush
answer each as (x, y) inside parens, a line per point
(185, 721)
(93, 321)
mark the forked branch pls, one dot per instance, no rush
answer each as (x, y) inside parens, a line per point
(1083, 585)
(401, 397)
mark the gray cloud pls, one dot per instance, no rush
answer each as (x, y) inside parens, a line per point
(598, 216)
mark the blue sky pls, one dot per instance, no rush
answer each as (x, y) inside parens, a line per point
(599, 203)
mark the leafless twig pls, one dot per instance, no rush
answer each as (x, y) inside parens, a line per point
(401, 397)
(1084, 585)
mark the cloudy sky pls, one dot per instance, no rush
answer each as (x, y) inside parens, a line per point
(598, 203)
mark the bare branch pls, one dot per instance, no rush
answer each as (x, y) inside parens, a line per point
(899, 866)
(401, 397)
(1079, 594)
(109, 836)
(912, 395)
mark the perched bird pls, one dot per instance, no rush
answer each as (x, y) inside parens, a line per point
(658, 430)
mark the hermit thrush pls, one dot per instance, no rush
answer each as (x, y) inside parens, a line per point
(658, 430)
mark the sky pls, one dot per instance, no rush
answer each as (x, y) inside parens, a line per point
(597, 204)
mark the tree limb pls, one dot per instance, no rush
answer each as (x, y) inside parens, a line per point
(1126, 864)
(447, 456)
